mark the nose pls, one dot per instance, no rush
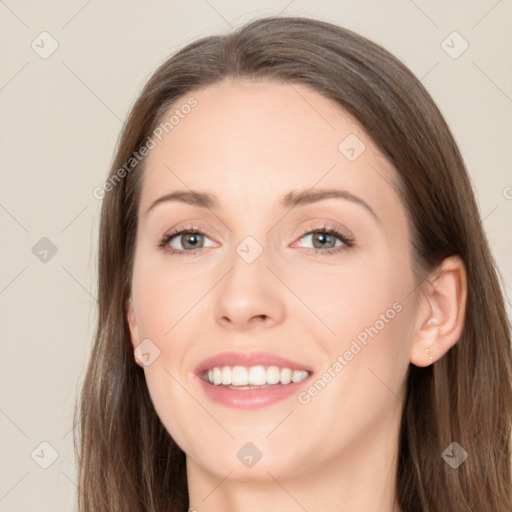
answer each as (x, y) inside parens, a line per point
(249, 295)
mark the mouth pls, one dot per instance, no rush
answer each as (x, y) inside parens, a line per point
(253, 377)
(250, 380)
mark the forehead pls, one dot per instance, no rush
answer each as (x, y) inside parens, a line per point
(247, 141)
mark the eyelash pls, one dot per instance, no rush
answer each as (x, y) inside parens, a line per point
(347, 240)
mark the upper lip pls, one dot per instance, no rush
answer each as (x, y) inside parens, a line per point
(249, 359)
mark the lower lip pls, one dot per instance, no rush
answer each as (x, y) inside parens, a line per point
(250, 398)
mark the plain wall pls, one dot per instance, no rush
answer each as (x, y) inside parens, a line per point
(60, 120)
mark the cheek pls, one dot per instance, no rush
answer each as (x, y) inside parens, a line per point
(362, 384)
(164, 303)
(346, 298)
(162, 297)
(363, 327)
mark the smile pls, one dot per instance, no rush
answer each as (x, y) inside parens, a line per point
(248, 378)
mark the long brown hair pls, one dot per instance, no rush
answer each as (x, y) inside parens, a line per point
(126, 459)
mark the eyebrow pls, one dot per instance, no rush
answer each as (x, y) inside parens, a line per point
(290, 200)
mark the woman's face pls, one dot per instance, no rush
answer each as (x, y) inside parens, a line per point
(263, 287)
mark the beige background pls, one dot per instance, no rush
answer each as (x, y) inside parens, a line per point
(60, 119)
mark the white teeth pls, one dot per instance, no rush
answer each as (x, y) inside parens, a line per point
(286, 376)
(254, 375)
(257, 376)
(273, 375)
(226, 375)
(239, 376)
(217, 376)
(299, 375)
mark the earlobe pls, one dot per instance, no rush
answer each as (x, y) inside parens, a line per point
(441, 314)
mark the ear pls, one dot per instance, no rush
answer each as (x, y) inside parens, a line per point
(441, 312)
(132, 324)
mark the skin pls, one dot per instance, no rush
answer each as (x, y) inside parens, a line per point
(250, 143)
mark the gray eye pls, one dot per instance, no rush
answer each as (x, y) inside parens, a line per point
(322, 240)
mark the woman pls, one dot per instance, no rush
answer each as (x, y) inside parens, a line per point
(238, 367)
